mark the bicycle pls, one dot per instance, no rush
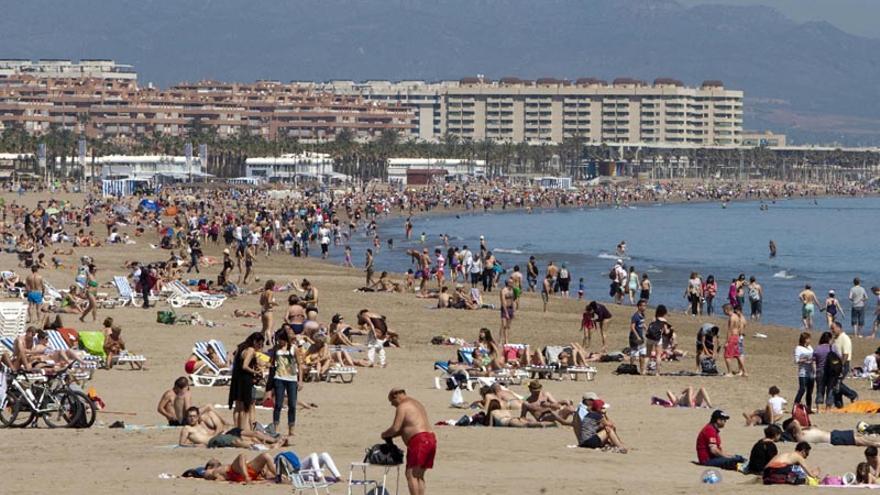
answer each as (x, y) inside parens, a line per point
(31, 397)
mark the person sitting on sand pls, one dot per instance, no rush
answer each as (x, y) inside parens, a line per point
(460, 299)
(687, 398)
(844, 438)
(790, 468)
(538, 408)
(260, 468)
(709, 451)
(174, 403)
(592, 427)
(771, 414)
(764, 450)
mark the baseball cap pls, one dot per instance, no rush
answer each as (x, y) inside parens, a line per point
(831, 292)
(719, 414)
(590, 396)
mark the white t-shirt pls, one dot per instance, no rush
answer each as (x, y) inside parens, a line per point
(869, 365)
(777, 404)
(801, 353)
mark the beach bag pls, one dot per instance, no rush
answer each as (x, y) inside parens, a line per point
(627, 369)
(457, 380)
(286, 464)
(708, 367)
(612, 274)
(166, 317)
(833, 365)
(801, 414)
(384, 454)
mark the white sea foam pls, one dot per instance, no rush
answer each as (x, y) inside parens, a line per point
(783, 274)
(511, 251)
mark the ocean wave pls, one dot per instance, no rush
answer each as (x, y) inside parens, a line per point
(609, 256)
(783, 274)
(510, 251)
(654, 270)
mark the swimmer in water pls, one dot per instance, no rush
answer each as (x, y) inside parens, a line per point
(772, 249)
(621, 249)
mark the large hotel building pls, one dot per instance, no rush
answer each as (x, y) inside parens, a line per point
(101, 98)
(552, 110)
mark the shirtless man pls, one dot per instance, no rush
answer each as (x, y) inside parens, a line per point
(540, 405)
(516, 279)
(780, 466)
(208, 429)
(508, 302)
(35, 291)
(411, 423)
(175, 402)
(834, 437)
(443, 299)
(241, 470)
(735, 327)
(23, 349)
(809, 303)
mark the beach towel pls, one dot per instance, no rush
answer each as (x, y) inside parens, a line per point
(860, 407)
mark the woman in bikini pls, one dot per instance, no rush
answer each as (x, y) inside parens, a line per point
(267, 302)
(91, 291)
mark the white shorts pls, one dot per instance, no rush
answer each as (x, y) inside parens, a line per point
(641, 350)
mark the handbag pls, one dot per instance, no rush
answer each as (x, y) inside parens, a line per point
(384, 454)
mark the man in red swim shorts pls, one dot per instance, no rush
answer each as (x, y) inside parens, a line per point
(411, 423)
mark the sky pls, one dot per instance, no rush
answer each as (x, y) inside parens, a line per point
(854, 16)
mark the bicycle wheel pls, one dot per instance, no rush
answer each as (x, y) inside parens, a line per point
(15, 411)
(87, 408)
(64, 410)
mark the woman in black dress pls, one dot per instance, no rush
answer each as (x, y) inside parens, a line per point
(244, 376)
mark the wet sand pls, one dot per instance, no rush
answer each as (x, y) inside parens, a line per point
(350, 417)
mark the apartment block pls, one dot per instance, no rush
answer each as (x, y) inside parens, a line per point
(549, 111)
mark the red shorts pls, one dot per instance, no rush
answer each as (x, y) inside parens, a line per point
(420, 451)
(233, 475)
(731, 350)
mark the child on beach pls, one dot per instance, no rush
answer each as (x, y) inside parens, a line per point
(581, 288)
(771, 414)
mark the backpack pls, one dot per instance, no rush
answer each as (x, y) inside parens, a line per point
(627, 369)
(655, 330)
(801, 414)
(833, 365)
(286, 464)
(754, 295)
(384, 454)
(166, 317)
(708, 367)
(612, 274)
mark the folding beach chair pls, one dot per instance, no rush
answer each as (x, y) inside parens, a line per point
(345, 374)
(11, 289)
(58, 343)
(309, 480)
(13, 318)
(52, 295)
(182, 296)
(208, 374)
(126, 293)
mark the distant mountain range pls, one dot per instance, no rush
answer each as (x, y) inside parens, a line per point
(812, 80)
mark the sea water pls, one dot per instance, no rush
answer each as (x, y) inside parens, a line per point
(826, 243)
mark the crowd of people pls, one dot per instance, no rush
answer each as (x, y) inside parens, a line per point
(309, 340)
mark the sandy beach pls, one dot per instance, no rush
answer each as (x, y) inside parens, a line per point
(350, 417)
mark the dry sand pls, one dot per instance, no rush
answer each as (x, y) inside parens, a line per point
(350, 417)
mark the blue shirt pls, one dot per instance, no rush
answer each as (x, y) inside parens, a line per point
(639, 321)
